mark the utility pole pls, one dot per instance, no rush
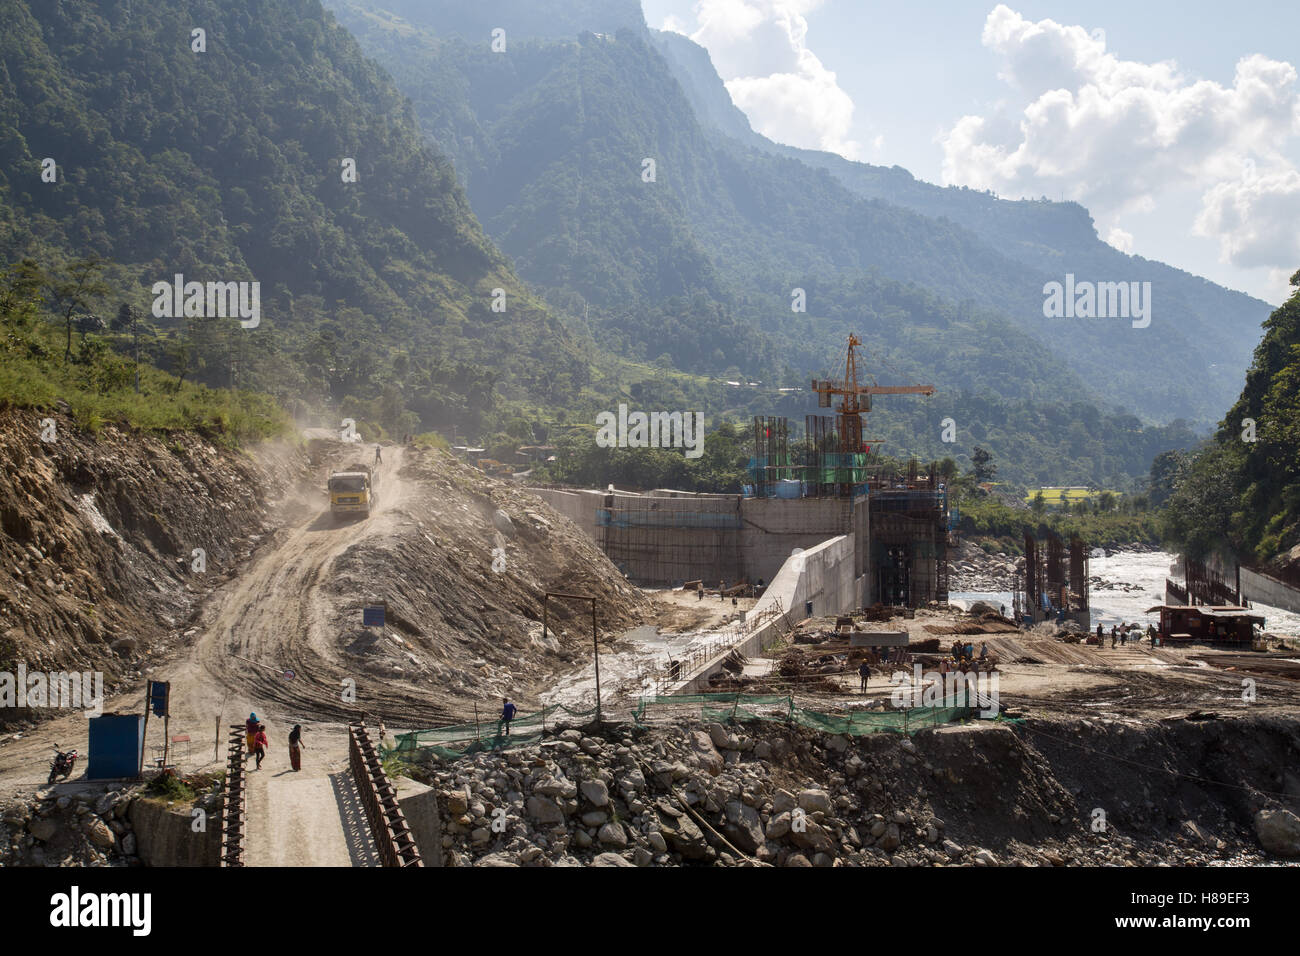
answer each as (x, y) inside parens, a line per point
(135, 328)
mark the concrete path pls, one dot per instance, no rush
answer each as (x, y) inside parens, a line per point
(310, 818)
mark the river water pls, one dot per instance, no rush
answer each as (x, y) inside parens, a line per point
(1144, 575)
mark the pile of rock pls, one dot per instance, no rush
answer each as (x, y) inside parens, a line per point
(82, 829)
(971, 568)
(696, 794)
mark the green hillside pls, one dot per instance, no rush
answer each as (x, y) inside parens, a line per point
(226, 165)
(1241, 494)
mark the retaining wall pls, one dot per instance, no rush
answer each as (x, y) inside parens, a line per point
(666, 537)
(822, 574)
(1269, 590)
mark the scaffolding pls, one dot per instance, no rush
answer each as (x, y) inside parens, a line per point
(909, 543)
(665, 541)
(771, 464)
(1055, 583)
(1206, 586)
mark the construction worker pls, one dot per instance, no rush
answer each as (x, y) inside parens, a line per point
(378, 456)
(1114, 634)
(864, 672)
(508, 711)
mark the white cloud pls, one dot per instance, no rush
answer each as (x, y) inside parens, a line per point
(1255, 218)
(1121, 240)
(759, 48)
(1116, 134)
(673, 24)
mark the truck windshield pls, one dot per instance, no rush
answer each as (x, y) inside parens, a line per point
(348, 483)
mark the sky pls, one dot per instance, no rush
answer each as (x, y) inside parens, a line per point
(1177, 124)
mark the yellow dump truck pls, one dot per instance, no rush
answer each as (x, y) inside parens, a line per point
(352, 492)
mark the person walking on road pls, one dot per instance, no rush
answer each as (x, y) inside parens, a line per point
(250, 732)
(508, 711)
(295, 747)
(260, 743)
(379, 457)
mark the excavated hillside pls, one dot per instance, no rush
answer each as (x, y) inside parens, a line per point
(98, 538)
(97, 534)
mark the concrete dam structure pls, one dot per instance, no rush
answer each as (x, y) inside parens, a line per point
(663, 538)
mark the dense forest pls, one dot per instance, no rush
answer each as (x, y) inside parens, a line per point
(1240, 495)
(227, 165)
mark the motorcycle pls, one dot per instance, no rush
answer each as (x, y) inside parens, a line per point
(62, 764)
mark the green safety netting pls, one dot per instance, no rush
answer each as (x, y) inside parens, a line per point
(462, 739)
(741, 707)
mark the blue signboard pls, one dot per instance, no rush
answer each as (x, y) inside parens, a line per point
(373, 616)
(159, 697)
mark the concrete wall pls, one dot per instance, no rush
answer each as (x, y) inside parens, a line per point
(822, 574)
(419, 805)
(667, 536)
(774, 527)
(1268, 590)
(578, 506)
(164, 836)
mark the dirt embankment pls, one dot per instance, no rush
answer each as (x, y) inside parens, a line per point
(464, 569)
(1059, 792)
(97, 540)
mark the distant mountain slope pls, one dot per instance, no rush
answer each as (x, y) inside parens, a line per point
(550, 138)
(225, 165)
(1051, 238)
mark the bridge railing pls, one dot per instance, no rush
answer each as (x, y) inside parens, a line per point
(234, 801)
(388, 827)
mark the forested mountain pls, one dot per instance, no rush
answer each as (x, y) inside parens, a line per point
(223, 161)
(1241, 494)
(226, 164)
(1218, 324)
(550, 138)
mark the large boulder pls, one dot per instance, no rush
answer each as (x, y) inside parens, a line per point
(681, 833)
(99, 833)
(595, 792)
(1278, 831)
(814, 800)
(544, 810)
(42, 828)
(556, 786)
(612, 834)
(743, 827)
(702, 746)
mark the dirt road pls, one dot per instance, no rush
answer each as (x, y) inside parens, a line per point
(264, 646)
